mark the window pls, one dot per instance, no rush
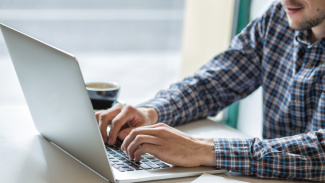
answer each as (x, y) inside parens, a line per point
(136, 43)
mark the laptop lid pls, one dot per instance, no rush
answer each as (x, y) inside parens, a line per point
(57, 98)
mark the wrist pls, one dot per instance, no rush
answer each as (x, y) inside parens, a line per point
(151, 114)
(207, 152)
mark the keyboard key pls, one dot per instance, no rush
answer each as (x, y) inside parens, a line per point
(152, 165)
(157, 162)
(143, 160)
(128, 162)
(116, 166)
(134, 166)
(128, 169)
(154, 159)
(119, 163)
(145, 166)
(121, 170)
(125, 166)
(121, 158)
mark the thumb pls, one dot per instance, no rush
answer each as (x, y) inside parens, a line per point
(125, 132)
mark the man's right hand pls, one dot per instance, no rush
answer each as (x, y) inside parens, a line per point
(123, 118)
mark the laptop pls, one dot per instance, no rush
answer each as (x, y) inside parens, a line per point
(59, 104)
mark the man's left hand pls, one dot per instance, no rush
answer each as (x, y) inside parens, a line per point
(169, 145)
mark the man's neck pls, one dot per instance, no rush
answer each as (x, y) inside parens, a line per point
(318, 32)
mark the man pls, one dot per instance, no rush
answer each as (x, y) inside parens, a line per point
(283, 51)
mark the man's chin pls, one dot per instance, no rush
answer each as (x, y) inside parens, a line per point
(297, 26)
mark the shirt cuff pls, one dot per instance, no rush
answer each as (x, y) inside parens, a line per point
(163, 108)
(233, 154)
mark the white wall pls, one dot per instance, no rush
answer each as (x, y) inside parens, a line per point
(250, 117)
(207, 32)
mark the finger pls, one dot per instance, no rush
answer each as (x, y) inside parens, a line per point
(137, 131)
(105, 119)
(125, 132)
(160, 125)
(168, 128)
(122, 118)
(146, 148)
(156, 125)
(97, 114)
(139, 141)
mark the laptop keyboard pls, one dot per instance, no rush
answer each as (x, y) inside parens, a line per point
(120, 161)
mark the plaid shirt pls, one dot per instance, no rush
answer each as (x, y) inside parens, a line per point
(290, 69)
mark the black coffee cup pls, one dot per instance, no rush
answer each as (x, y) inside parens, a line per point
(102, 95)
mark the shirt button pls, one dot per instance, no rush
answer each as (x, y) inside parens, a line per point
(297, 100)
(308, 65)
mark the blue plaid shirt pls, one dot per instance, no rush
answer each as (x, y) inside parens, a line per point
(290, 69)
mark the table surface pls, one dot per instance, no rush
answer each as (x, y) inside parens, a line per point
(27, 157)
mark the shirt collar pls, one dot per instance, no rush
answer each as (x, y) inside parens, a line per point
(304, 38)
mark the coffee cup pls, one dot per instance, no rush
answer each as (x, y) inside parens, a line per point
(103, 95)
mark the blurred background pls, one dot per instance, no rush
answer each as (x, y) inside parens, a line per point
(143, 45)
(122, 41)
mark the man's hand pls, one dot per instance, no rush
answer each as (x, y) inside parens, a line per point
(170, 145)
(123, 119)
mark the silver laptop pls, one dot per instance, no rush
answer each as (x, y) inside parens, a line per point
(59, 104)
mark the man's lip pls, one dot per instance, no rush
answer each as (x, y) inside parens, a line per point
(292, 9)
